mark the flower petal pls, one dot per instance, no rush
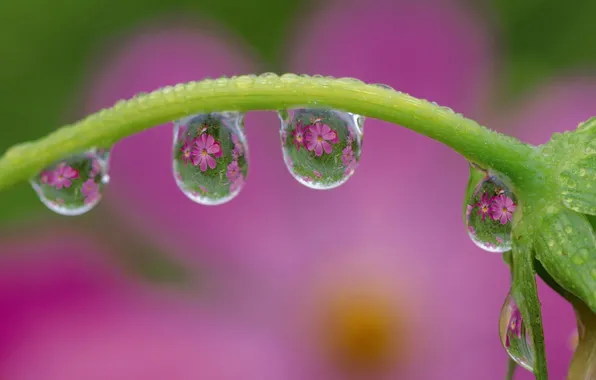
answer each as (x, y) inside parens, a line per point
(68, 314)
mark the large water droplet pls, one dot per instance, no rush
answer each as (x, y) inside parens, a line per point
(210, 156)
(514, 336)
(321, 147)
(74, 185)
(489, 210)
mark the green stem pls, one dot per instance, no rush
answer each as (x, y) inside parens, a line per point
(511, 367)
(271, 92)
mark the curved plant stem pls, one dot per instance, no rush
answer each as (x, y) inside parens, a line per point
(270, 92)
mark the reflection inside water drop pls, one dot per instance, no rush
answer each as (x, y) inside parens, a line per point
(321, 147)
(515, 338)
(74, 185)
(210, 156)
(489, 209)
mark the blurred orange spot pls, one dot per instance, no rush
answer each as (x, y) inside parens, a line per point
(363, 333)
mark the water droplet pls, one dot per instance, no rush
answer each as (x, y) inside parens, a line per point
(514, 336)
(210, 156)
(74, 185)
(321, 147)
(384, 86)
(489, 211)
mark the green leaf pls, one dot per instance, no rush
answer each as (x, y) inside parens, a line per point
(588, 126)
(578, 185)
(525, 293)
(566, 247)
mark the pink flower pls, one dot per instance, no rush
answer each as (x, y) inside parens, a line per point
(46, 177)
(351, 138)
(58, 202)
(238, 148)
(484, 206)
(89, 187)
(502, 208)
(472, 230)
(335, 138)
(90, 190)
(514, 327)
(186, 150)
(95, 168)
(347, 155)
(317, 173)
(219, 151)
(63, 176)
(237, 184)
(499, 240)
(70, 312)
(233, 171)
(469, 209)
(350, 168)
(204, 147)
(318, 138)
(298, 135)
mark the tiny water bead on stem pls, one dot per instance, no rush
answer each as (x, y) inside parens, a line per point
(74, 185)
(514, 336)
(210, 156)
(489, 209)
(321, 147)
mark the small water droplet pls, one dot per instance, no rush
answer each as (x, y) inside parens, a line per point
(321, 147)
(489, 211)
(245, 81)
(290, 78)
(514, 336)
(210, 156)
(385, 86)
(74, 185)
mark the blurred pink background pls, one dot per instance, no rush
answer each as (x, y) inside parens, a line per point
(376, 279)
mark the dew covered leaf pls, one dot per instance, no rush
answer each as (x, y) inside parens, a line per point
(566, 248)
(579, 185)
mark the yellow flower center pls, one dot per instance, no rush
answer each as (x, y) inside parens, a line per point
(204, 153)
(320, 139)
(363, 334)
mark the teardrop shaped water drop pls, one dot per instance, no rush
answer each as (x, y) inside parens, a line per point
(489, 209)
(210, 156)
(74, 185)
(321, 147)
(515, 338)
